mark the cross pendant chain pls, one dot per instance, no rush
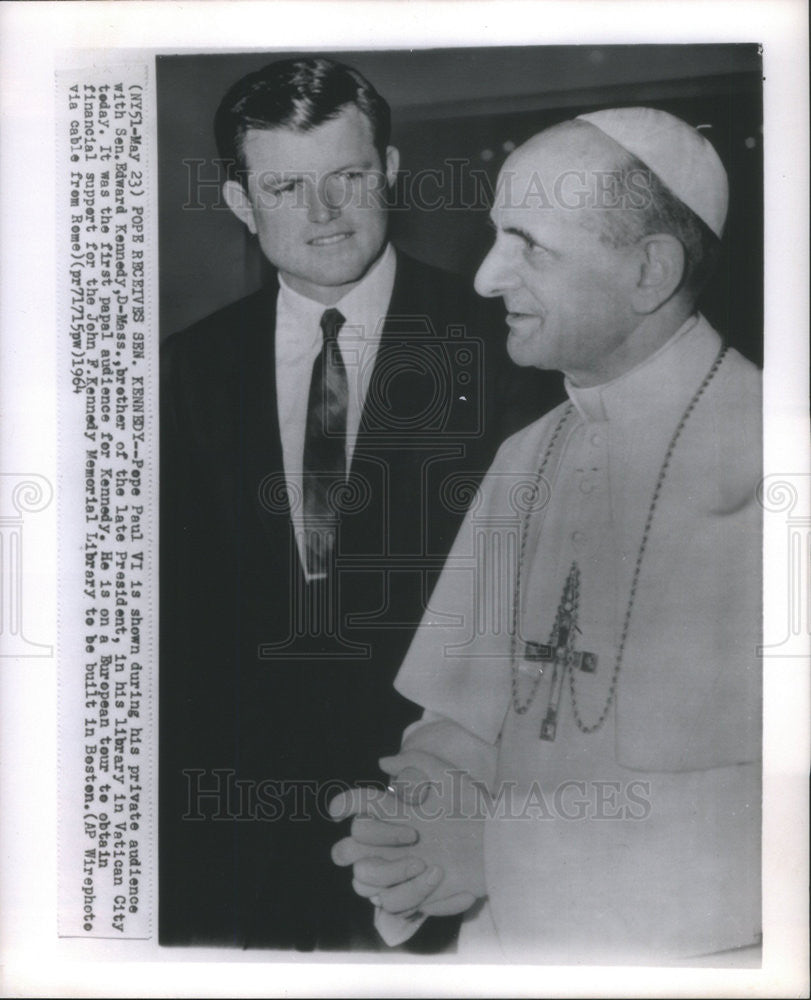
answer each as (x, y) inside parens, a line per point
(560, 651)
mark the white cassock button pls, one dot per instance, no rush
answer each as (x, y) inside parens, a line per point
(578, 539)
(586, 484)
(596, 438)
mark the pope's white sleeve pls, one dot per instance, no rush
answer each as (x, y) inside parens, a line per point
(439, 736)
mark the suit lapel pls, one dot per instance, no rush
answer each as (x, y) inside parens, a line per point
(261, 457)
(398, 387)
(387, 457)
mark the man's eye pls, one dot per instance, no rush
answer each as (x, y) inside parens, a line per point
(535, 250)
(351, 175)
(277, 188)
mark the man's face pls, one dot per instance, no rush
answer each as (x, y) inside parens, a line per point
(318, 202)
(567, 293)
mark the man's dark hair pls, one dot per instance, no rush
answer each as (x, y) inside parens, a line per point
(298, 94)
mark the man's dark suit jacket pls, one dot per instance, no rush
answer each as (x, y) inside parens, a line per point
(268, 705)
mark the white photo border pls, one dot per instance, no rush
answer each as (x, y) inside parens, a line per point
(34, 40)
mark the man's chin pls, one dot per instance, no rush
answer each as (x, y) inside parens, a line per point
(326, 283)
(523, 351)
(346, 271)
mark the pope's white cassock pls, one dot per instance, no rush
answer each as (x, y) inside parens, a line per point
(640, 840)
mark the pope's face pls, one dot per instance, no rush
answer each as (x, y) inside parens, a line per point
(567, 293)
(317, 202)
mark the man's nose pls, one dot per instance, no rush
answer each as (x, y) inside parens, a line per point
(319, 207)
(496, 275)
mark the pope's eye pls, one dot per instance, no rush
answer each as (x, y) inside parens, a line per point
(536, 251)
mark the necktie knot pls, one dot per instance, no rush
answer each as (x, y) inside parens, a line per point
(331, 322)
(324, 467)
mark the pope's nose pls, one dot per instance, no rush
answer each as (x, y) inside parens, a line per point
(495, 275)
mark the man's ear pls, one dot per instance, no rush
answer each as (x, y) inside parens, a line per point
(392, 164)
(661, 271)
(236, 197)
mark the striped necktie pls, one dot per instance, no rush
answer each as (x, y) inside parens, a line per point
(324, 467)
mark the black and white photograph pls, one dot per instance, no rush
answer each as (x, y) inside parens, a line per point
(405, 408)
(567, 677)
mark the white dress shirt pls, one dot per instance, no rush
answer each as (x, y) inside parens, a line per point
(298, 343)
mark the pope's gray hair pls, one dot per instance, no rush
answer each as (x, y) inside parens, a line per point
(655, 209)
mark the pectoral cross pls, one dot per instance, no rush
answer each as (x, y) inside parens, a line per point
(560, 651)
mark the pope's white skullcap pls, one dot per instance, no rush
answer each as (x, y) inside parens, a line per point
(676, 152)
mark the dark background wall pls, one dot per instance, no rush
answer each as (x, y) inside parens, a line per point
(460, 111)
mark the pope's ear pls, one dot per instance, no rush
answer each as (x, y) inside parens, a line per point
(236, 198)
(662, 265)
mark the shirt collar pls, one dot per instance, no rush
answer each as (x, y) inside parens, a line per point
(366, 304)
(363, 307)
(658, 383)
